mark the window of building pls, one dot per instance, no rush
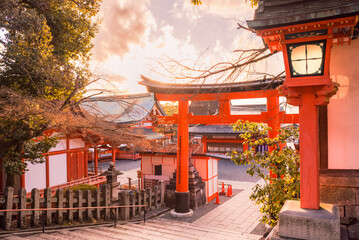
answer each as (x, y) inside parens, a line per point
(224, 147)
(158, 170)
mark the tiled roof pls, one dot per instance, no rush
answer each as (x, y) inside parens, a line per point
(122, 109)
(170, 88)
(276, 13)
(204, 107)
(212, 130)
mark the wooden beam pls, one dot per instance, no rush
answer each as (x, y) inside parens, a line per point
(218, 119)
(215, 96)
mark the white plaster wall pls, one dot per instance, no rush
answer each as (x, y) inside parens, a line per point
(146, 165)
(167, 170)
(60, 146)
(157, 160)
(76, 143)
(35, 177)
(343, 114)
(58, 169)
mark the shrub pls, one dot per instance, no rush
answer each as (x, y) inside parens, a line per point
(282, 162)
(82, 187)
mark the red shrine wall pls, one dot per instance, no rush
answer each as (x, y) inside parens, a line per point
(343, 109)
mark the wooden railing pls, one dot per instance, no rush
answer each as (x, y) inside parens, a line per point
(92, 180)
(65, 207)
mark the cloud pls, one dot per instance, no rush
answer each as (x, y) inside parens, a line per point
(124, 22)
(223, 8)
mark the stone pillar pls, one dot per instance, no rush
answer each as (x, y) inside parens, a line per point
(111, 175)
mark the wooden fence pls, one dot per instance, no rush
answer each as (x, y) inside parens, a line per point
(80, 206)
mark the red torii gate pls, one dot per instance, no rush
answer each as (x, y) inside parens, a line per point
(183, 93)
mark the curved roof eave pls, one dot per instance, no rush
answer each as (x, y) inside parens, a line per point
(175, 88)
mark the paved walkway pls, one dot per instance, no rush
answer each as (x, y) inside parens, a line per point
(238, 214)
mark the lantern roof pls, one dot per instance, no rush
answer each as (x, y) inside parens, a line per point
(278, 13)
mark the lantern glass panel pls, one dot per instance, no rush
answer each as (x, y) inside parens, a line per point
(299, 66)
(298, 53)
(306, 59)
(314, 66)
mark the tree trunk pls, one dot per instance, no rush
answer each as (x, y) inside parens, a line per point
(10, 180)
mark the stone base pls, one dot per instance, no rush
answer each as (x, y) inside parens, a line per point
(175, 214)
(299, 223)
(181, 202)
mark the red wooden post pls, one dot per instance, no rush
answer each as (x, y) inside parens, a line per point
(309, 151)
(273, 120)
(273, 116)
(86, 162)
(95, 154)
(245, 147)
(182, 194)
(22, 177)
(204, 142)
(113, 154)
(225, 108)
(47, 165)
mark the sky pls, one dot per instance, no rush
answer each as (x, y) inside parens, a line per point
(134, 34)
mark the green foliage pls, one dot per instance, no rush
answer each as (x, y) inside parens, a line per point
(33, 153)
(44, 51)
(283, 163)
(83, 187)
(196, 2)
(170, 108)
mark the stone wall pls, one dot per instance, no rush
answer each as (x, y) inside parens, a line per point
(341, 187)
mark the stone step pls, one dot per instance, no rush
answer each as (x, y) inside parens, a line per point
(186, 233)
(153, 229)
(13, 237)
(106, 233)
(61, 236)
(50, 236)
(139, 229)
(179, 229)
(169, 233)
(127, 233)
(138, 232)
(226, 232)
(77, 234)
(187, 230)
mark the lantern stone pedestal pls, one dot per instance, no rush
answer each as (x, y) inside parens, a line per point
(111, 176)
(196, 196)
(298, 223)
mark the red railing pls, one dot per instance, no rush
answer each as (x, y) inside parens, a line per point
(92, 180)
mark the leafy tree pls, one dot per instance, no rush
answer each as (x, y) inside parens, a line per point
(283, 162)
(170, 108)
(44, 51)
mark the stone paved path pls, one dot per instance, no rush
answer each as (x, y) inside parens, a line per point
(239, 213)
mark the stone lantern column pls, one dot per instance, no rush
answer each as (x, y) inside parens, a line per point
(111, 176)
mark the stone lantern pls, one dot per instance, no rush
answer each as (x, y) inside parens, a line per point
(111, 176)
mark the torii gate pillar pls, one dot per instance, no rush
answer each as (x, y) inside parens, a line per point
(182, 200)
